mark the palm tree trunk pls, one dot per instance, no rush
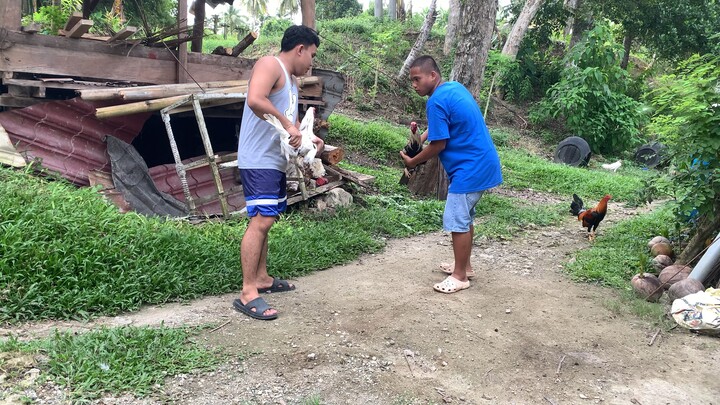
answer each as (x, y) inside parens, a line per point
(378, 9)
(198, 27)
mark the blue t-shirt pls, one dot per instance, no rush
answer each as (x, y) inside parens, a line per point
(469, 157)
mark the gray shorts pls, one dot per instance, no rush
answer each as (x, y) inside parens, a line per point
(460, 211)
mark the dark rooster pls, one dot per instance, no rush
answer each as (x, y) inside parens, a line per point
(590, 218)
(412, 148)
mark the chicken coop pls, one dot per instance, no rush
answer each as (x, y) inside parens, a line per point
(88, 108)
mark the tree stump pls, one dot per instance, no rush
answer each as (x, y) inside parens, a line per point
(429, 179)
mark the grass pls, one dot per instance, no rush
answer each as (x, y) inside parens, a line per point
(115, 360)
(622, 251)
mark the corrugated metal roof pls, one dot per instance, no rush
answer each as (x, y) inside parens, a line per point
(66, 137)
(201, 184)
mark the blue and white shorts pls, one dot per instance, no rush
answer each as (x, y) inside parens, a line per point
(265, 191)
(460, 211)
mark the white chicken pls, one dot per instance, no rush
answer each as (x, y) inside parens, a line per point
(612, 166)
(307, 148)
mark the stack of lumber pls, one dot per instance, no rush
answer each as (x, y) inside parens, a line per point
(156, 97)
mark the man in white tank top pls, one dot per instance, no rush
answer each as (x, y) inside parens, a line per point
(272, 89)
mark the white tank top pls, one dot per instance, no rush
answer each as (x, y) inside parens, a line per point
(259, 142)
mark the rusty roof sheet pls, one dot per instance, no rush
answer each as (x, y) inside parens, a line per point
(66, 137)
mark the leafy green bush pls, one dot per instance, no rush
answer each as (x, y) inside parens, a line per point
(591, 95)
(687, 121)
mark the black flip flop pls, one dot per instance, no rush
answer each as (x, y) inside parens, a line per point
(277, 286)
(259, 305)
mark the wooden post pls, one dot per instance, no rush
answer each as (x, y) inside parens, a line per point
(10, 14)
(182, 76)
(199, 27)
(307, 8)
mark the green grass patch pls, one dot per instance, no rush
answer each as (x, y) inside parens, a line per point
(505, 217)
(622, 251)
(115, 360)
(522, 170)
(376, 140)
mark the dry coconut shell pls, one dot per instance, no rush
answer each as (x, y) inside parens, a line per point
(662, 248)
(674, 273)
(661, 261)
(685, 287)
(647, 286)
(658, 239)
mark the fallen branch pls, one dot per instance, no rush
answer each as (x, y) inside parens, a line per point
(219, 327)
(657, 332)
(560, 365)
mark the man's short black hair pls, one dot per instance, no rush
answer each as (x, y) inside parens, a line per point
(299, 35)
(426, 63)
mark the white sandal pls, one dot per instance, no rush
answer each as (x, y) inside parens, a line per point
(448, 268)
(451, 285)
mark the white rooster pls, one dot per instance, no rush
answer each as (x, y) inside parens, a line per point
(307, 148)
(612, 166)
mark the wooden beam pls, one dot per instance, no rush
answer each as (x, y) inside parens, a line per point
(243, 44)
(123, 34)
(61, 56)
(7, 100)
(182, 75)
(80, 28)
(198, 27)
(10, 14)
(73, 20)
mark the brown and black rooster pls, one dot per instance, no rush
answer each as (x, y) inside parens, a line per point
(590, 218)
(412, 148)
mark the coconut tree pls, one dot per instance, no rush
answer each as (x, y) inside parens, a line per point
(289, 7)
(257, 9)
(232, 19)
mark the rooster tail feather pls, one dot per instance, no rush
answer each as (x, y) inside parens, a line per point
(576, 206)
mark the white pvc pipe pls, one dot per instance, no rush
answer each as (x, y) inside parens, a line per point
(701, 271)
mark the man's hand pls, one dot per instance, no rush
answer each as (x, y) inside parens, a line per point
(407, 160)
(295, 136)
(319, 143)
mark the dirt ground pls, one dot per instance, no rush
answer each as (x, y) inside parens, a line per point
(374, 332)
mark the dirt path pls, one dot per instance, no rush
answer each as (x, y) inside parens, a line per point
(374, 332)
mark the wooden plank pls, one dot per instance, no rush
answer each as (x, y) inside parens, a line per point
(82, 27)
(53, 55)
(10, 14)
(7, 100)
(71, 85)
(123, 34)
(72, 21)
(182, 73)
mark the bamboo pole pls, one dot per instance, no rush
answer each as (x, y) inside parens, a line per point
(153, 105)
(169, 90)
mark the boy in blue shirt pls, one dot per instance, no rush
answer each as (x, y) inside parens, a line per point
(459, 137)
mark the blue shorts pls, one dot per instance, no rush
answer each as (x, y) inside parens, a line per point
(460, 211)
(265, 191)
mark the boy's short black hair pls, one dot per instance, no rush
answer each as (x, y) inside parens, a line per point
(299, 35)
(426, 63)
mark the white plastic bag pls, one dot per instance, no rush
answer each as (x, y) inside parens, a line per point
(699, 311)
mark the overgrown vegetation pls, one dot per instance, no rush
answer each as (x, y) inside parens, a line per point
(112, 360)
